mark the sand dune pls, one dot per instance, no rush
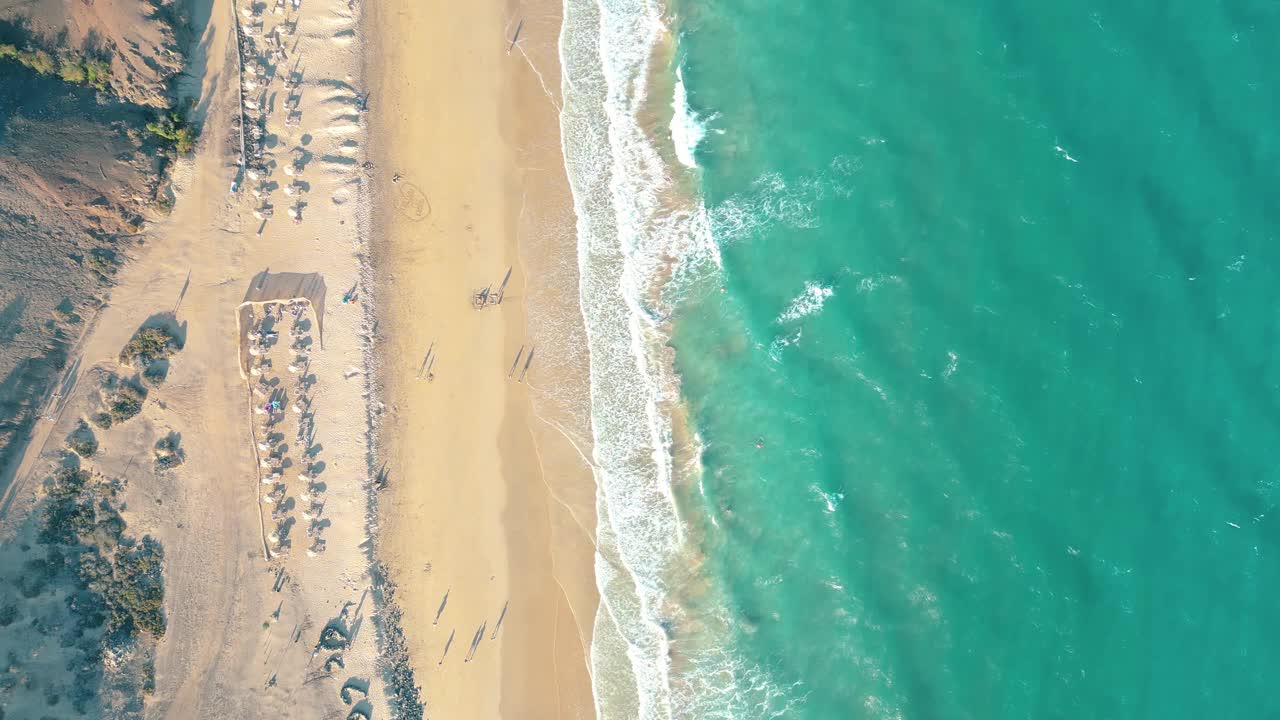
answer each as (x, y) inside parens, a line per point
(140, 38)
(75, 188)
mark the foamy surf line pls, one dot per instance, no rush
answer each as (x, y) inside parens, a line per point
(636, 249)
(687, 129)
(636, 520)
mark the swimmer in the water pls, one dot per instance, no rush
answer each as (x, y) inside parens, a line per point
(759, 443)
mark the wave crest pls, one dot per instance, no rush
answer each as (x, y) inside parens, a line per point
(687, 129)
(807, 303)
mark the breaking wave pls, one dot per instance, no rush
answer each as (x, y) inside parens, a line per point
(641, 240)
(806, 303)
(687, 129)
(628, 242)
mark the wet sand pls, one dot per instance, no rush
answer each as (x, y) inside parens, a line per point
(487, 502)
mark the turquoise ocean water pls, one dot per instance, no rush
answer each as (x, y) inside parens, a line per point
(973, 406)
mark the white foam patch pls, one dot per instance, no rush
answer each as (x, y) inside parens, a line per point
(830, 500)
(870, 283)
(771, 200)
(639, 245)
(807, 303)
(781, 343)
(687, 129)
(953, 362)
(615, 173)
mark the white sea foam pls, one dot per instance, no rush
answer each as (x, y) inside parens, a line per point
(772, 201)
(871, 283)
(783, 342)
(637, 249)
(830, 500)
(807, 303)
(627, 240)
(953, 361)
(687, 129)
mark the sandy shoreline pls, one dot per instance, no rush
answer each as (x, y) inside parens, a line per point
(488, 505)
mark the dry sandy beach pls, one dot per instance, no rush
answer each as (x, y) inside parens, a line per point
(491, 505)
(419, 149)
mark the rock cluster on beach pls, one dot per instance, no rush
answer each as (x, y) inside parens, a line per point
(402, 690)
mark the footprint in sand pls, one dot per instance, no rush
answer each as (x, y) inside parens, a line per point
(411, 202)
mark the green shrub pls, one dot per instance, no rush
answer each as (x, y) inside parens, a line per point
(38, 60)
(121, 581)
(82, 441)
(97, 73)
(177, 131)
(148, 345)
(125, 402)
(136, 598)
(67, 513)
(68, 65)
(8, 613)
(71, 70)
(102, 420)
(103, 262)
(84, 446)
(168, 454)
